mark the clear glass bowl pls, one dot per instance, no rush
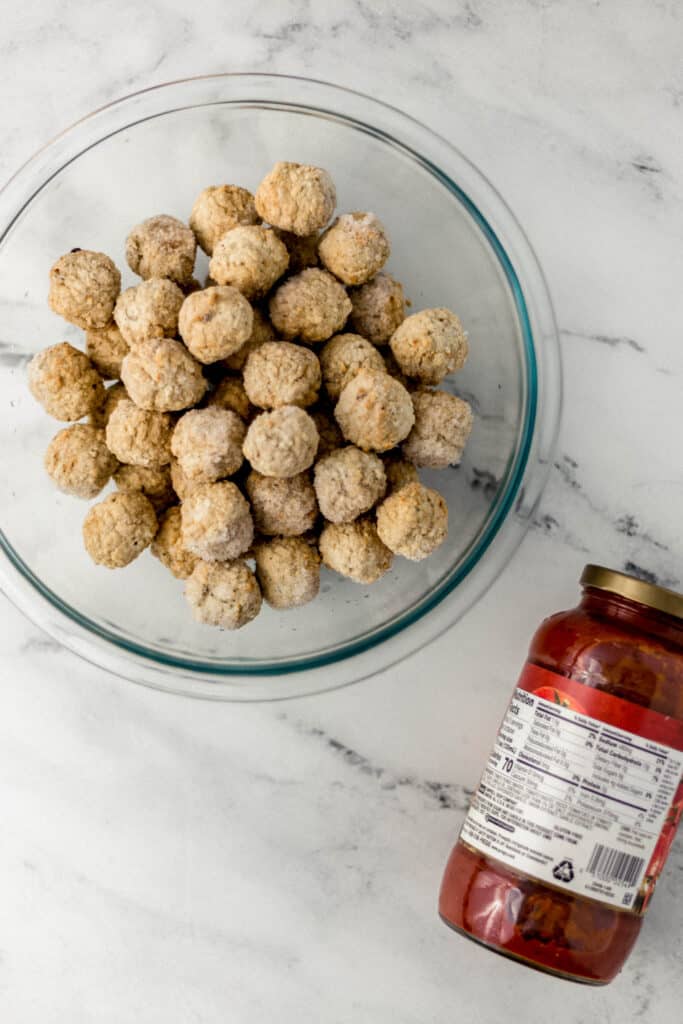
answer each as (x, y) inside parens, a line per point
(455, 243)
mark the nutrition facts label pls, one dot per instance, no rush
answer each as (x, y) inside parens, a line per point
(573, 801)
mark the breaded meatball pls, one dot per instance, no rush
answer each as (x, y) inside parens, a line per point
(208, 443)
(329, 433)
(342, 357)
(296, 198)
(148, 310)
(155, 484)
(288, 571)
(443, 424)
(378, 308)
(162, 246)
(167, 546)
(261, 331)
(182, 483)
(84, 286)
(106, 347)
(217, 523)
(281, 443)
(355, 550)
(302, 249)
(285, 507)
(311, 305)
(65, 382)
(347, 483)
(279, 373)
(119, 528)
(229, 393)
(215, 323)
(114, 394)
(355, 247)
(223, 594)
(399, 472)
(429, 345)
(219, 208)
(79, 461)
(139, 437)
(250, 258)
(160, 374)
(374, 411)
(413, 521)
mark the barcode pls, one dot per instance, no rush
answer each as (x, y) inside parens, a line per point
(612, 865)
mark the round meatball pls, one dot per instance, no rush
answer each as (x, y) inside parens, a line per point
(229, 393)
(330, 436)
(162, 246)
(79, 461)
(311, 305)
(288, 571)
(296, 197)
(250, 258)
(208, 443)
(114, 394)
(167, 546)
(65, 382)
(443, 424)
(399, 472)
(374, 411)
(83, 288)
(106, 347)
(355, 247)
(215, 322)
(139, 437)
(281, 443)
(355, 550)
(155, 484)
(377, 308)
(119, 528)
(182, 483)
(279, 373)
(217, 210)
(223, 594)
(429, 345)
(347, 483)
(302, 249)
(413, 521)
(284, 507)
(341, 359)
(217, 523)
(160, 374)
(261, 331)
(149, 310)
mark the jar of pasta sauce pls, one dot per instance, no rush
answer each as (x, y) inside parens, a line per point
(576, 810)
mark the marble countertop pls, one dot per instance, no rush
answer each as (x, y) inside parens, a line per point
(164, 859)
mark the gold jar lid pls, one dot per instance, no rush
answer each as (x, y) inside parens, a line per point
(634, 589)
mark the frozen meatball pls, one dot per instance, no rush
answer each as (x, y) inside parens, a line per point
(160, 374)
(167, 546)
(106, 347)
(413, 521)
(182, 483)
(443, 424)
(84, 286)
(250, 258)
(374, 411)
(399, 472)
(217, 210)
(296, 198)
(162, 246)
(65, 382)
(215, 322)
(208, 443)
(302, 249)
(355, 247)
(217, 523)
(347, 483)
(149, 310)
(118, 529)
(311, 305)
(330, 436)
(355, 550)
(155, 484)
(229, 393)
(378, 308)
(261, 331)
(114, 394)
(281, 443)
(79, 461)
(288, 571)
(223, 594)
(430, 344)
(285, 507)
(139, 437)
(341, 359)
(279, 373)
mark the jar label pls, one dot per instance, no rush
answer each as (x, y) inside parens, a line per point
(582, 791)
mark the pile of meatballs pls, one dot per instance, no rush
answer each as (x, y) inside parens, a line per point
(262, 424)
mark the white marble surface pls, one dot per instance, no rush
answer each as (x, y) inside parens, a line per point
(168, 860)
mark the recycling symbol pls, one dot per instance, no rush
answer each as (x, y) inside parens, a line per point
(564, 871)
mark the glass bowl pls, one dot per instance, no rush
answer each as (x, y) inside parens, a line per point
(454, 243)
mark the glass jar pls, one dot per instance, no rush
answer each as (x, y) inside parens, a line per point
(578, 804)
